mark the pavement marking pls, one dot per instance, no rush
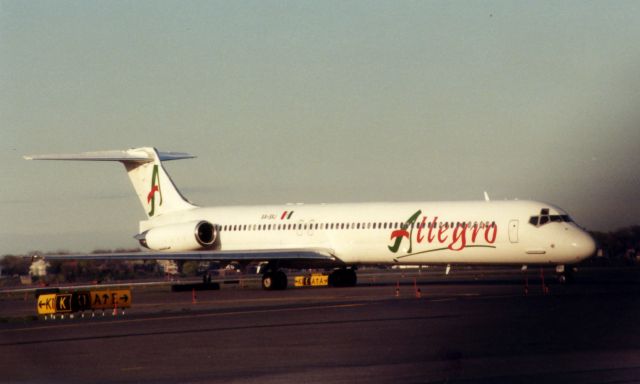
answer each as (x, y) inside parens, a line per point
(189, 315)
(248, 301)
(129, 369)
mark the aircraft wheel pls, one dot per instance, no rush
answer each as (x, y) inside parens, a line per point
(268, 281)
(343, 278)
(351, 278)
(280, 280)
(566, 276)
(274, 281)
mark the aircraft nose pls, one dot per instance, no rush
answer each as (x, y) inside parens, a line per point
(583, 245)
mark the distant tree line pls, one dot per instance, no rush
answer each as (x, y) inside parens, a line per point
(15, 265)
(82, 270)
(621, 246)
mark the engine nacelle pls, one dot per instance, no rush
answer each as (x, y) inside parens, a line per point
(191, 236)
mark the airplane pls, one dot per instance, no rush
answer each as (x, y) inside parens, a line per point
(339, 237)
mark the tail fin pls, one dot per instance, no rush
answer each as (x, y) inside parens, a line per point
(155, 189)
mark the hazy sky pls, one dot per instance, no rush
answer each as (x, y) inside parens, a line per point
(321, 101)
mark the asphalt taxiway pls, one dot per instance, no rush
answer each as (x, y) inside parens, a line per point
(471, 330)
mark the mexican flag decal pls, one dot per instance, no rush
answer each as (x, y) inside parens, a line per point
(286, 215)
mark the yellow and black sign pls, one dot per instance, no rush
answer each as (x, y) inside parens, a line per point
(63, 303)
(109, 299)
(46, 304)
(53, 303)
(81, 301)
(314, 280)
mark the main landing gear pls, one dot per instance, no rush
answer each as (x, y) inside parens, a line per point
(343, 277)
(275, 279)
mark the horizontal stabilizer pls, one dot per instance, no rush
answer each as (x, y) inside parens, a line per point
(131, 155)
(156, 192)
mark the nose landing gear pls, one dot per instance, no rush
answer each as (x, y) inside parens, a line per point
(565, 274)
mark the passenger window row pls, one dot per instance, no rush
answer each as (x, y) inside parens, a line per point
(344, 226)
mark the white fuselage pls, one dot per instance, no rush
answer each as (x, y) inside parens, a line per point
(485, 232)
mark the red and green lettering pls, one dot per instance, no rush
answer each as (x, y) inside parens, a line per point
(454, 237)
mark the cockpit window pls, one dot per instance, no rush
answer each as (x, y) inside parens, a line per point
(544, 218)
(556, 218)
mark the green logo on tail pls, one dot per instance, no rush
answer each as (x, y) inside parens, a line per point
(155, 187)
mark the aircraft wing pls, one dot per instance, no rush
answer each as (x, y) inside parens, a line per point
(287, 257)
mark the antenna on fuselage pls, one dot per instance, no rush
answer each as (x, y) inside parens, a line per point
(486, 196)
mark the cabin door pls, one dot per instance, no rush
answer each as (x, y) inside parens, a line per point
(513, 231)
